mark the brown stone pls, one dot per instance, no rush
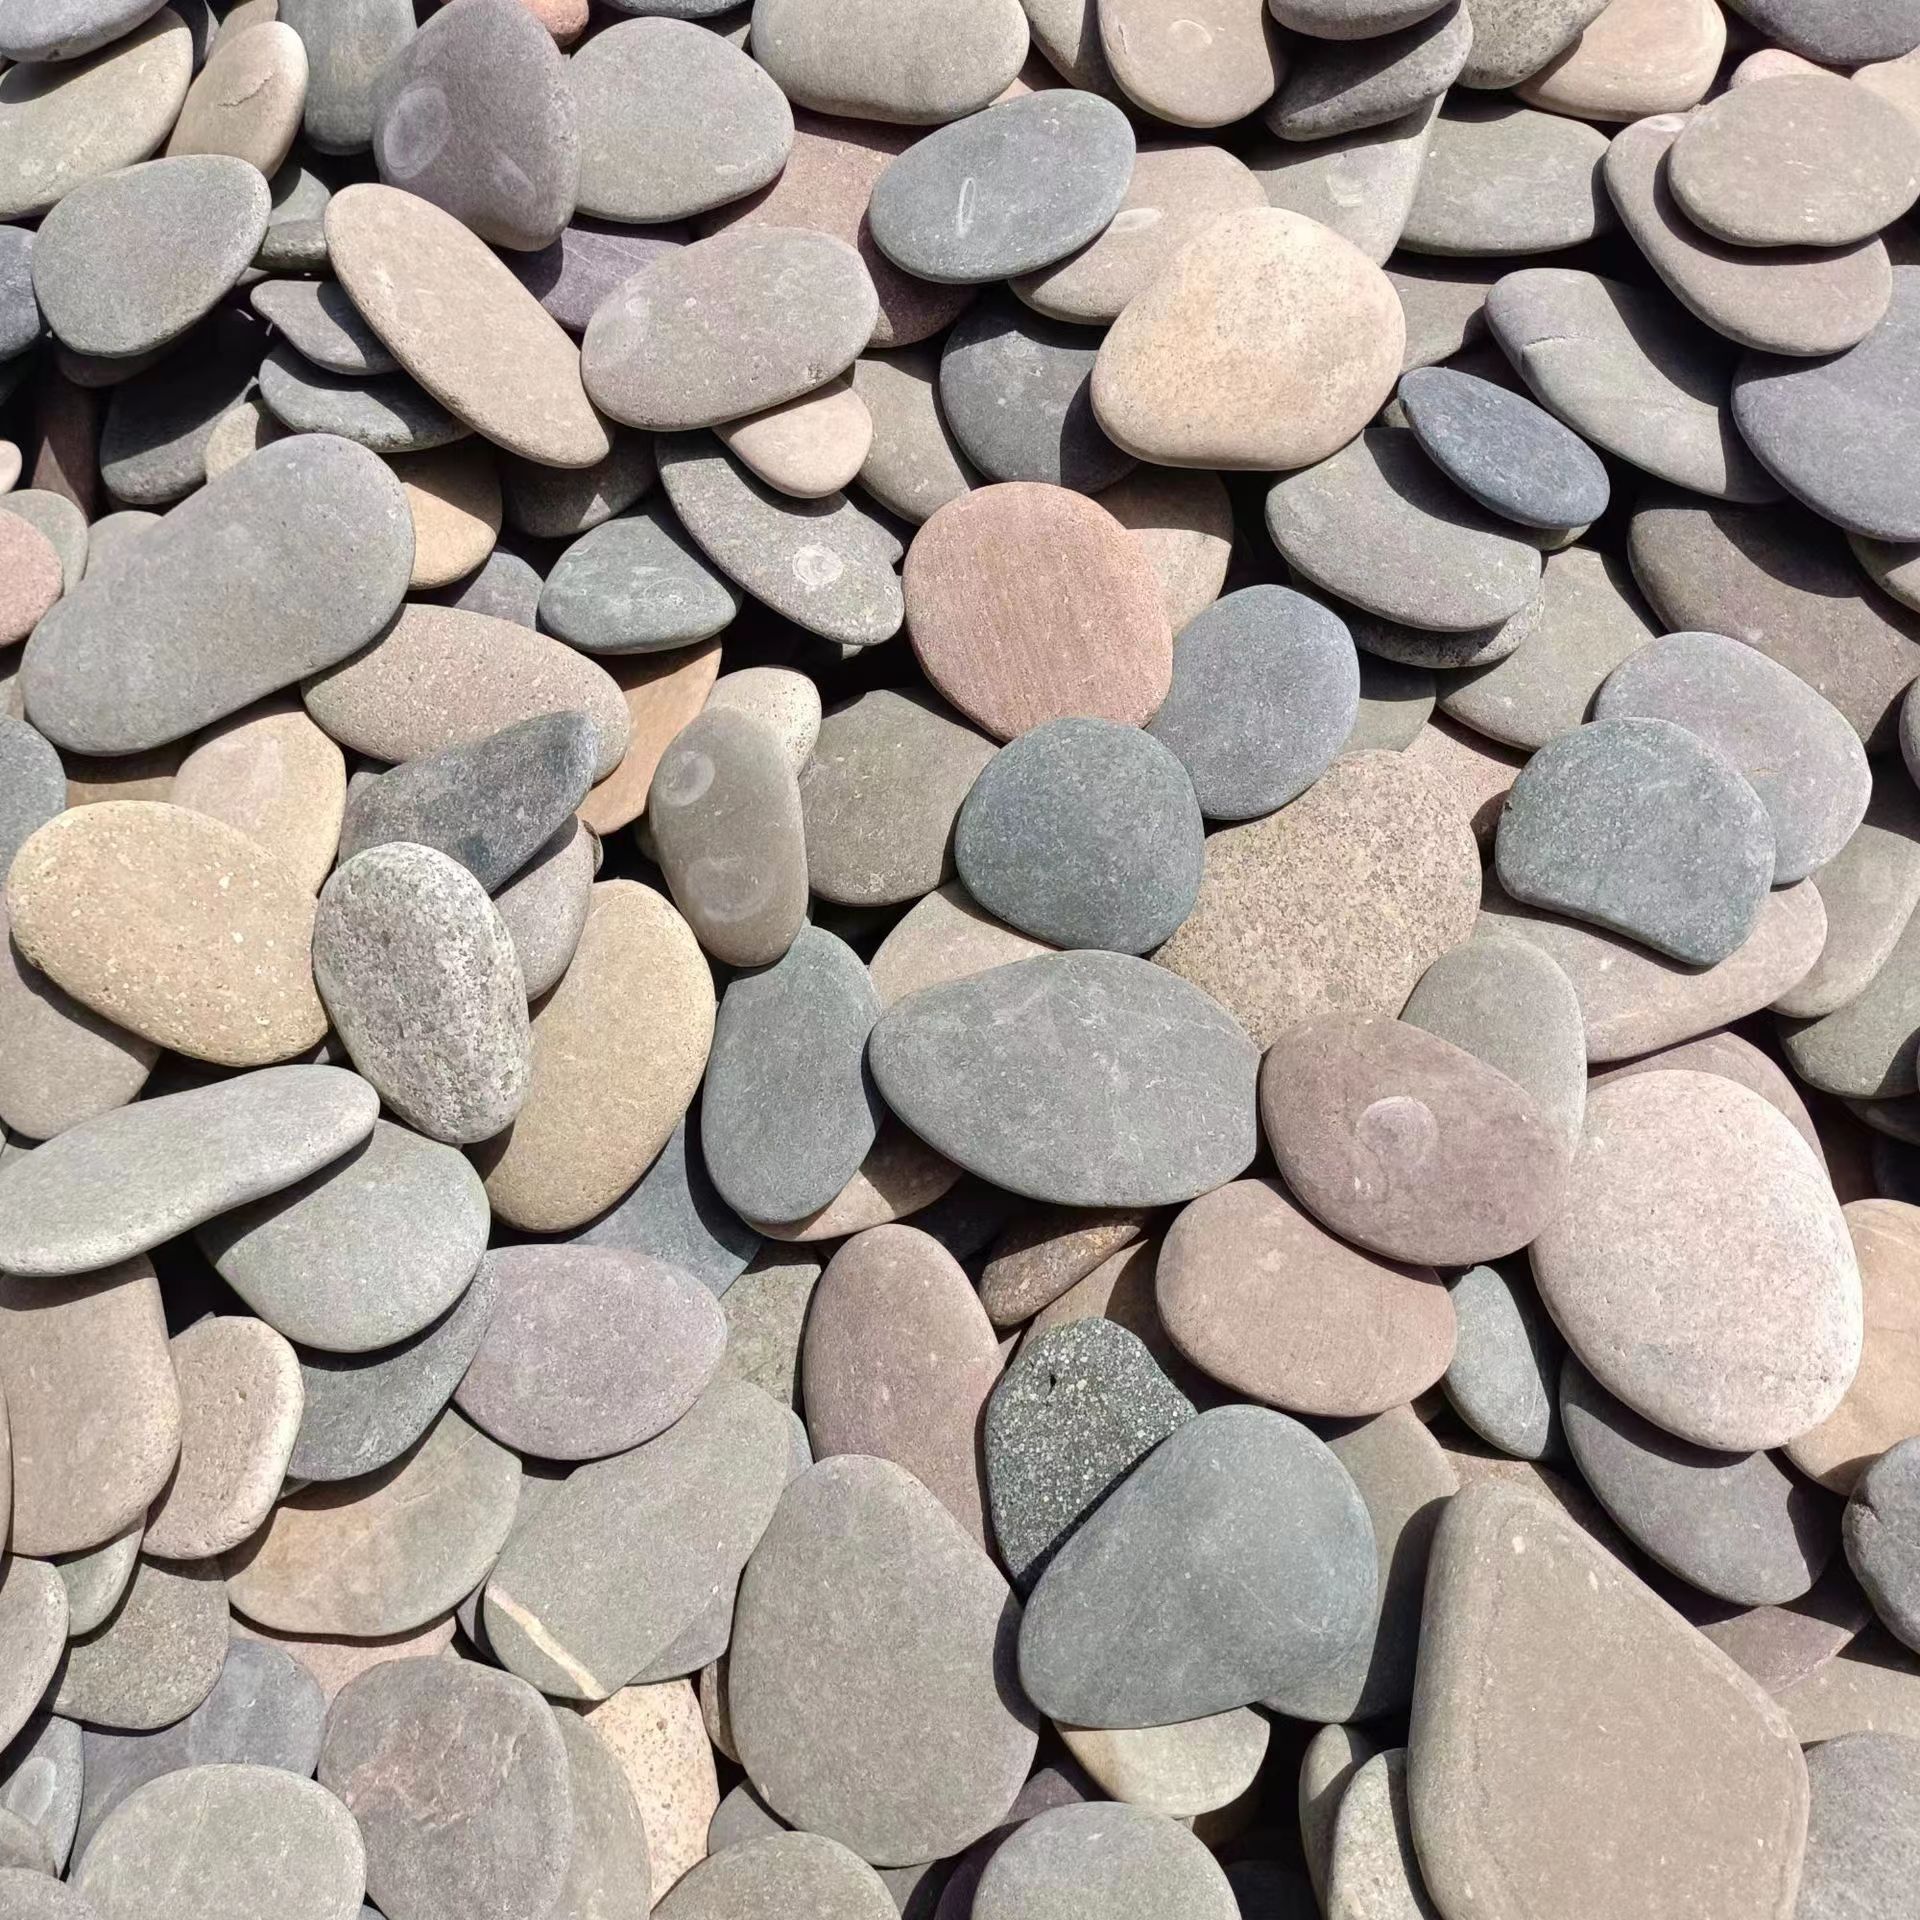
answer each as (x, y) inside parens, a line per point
(453, 495)
(1121, 1289)
(92, 778)
(808, 447)
(1635, 58)
(662, 692)
(1733, 1059)
(944, 936)
(659, 1743)
(1043, 1254)
(30, 577)
(1872, 1687)
(247, 99)
(175, 926)
(1192, 1767)
(1258, 1296)
(1026, 602)
(1476, 773)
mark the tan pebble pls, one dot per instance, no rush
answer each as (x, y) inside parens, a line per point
(566, 20)
(809, 447)
(249, 13)
(273, 774)
(662, 692)
(30, 576)
(1476, 772)
(660, 1743)
(176, 926)
(453, 494)
(333, 1661)
(618, 1051)
(248, 98)
(900, 1175)
(243, 429)
(1873, 1687)
(786, 701)
(1635, 58)
(1774, 63)
(1895, 80)
(1183, 523)
(1194, 1767)
(945, 936)
(1198, 63)
(1044, 1253)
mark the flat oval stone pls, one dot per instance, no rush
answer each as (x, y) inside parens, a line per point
(40, 1777)
(1825, 430)
(67, 122)
(420, 978)
(1359, 185)
(1045, 1251)
(1206, 78)
(1336, 903)
(158, 1656)
(1410, 646)
(826, 564)
(476, 113)
(1335, 87)
(928, 1752)
(177, 635)
(609, 1863)
(33, 1631)
(387, 413)
(1291, 334)
(1406, 1144)
(1761, 1342)
(1016, 390)
(589, 261)
(347, 46)
(799, 1872)
(1637, 58)
(92, 1406)
(510, 373)
(636, 584)
(673, 121)
(938, 64)
(1125, 1858)
(1611, 360)
(589, 1351)
(1638, 825)
(809, 447)
(1083, 833)
(66, 29)
(626, 1032)
(1133, 1623)
(453, 497)
(725, 811)
(1880, 1534)
(438, 677)
(1182, 521)
(605, 1579)
(195, 1830)
(1506, 1361)
(386, 1552)
(1028, 603)
(728, 326)
(248, 101)
(1739, 1526)
(545, 906)
(1085, 1078)
(1501, 178)
(1432, 560)
(457, 1778)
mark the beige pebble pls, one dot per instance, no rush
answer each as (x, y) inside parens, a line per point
(9, 465)
(1198, 63)
(1773, 63)
(662, 692)
(334, 1660)
(30, 577)
(900, 1175)
(944, 936)
(659, 1740)
(243, 429)
(1194, 1767)
(1183, 523)
(1635, 58)
(248, 98)
(1476, 772)
(809, 447)
(786, 701)
(1895, 80)
(453, 494)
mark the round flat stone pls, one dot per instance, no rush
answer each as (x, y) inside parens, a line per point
(1338, 902)
(457, 1778)
(636, 584)
(1512, 457)
(387, 1552)
(1506, 1362)
(873, 63)
(1826, 430)
(1083, 833)
(800, 1872)
(453, 498)
(176, 634)
(422, 984)
(728, 326)
(1271, 344)
(1882, 1533)
(809, 447)
(879, 796)
(1762, 1341)
(246, 102)
(1133, 1624)
(609, 1866)
(1251, 1290)
(673, 121)
(347, 46)
(1636, 57)
(158, 1656)
(477, 114)
(627, 1031)
(510, 373)
(40, 1779)
(1639, 825)
(33, 1632)
(826, 564)
(1029, 602)
(1408, 1145)
(1431, 559)
(386, 413)
(196, 1832)
(1447, 653)
(1211, 77)
(92, 1407)
(1359, 185)
(1501, 178)
(929, 1752)
(1016, 392)
(240, 1401)
(1124, 1858)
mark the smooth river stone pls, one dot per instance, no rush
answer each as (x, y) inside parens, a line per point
(1201, 1767)
(33, 1630)
(1339, 87)
(1182, 520)
(609, 1872)
(1380, 525)
(766, 1309)
(1083, 833)
(659, 1743)
(40, 1772)
(1104, 1858)
(1761, 1342)
(1863, 1789)
(808, 447)
(945, 936)
(1269, 342)
(1134, 1622)
(197, 1832)
(1735, 1059)
(511, 373)
(941, 62)
(1503, 179)
(589, 1351)
(348, 42)
(240, 1400)
(389, 413)
(897, 1362)
(50, 30)
(871, 1627)
(1338, 902)
(439, 677)
(1513, 39)
(1880, 1534)
(476, 114)
(1637, 57)
(1360, 185)
(63, 123)
(1030, 602)
(457, 1778)
(1506, 1362)
(636, 584)
(1548, 1661)
(618, 1051)
(1408, 1145)
(1629, 373)
(827, 565)
(248, 102)
(1739, 1526)
(92, 1405)
(1805, 300)
(560, 503)
(157, 1657)
(589, 261)
(453, 497)
(33, 786)
(177, 634)
(782, 1872)
(1826, 430)
(386, 1552)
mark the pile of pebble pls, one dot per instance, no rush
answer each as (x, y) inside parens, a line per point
(959, 959)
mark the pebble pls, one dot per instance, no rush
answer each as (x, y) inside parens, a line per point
(809, 447)
(347, 46)
(1183, 523)
(1506, 1361)
(1181, 1771)
(560, 503)
(1860, 1789)
(40, 1782)
(766, 1309)
(156, 1659)
(1125, 1858)
(1879, 1531)
(1501, 178)
(658, 1742)
(1358, 185)
(504, 588)
(247, 100)
(783, 697)
(944, 936)
(55, 516)
(1372, 1870)
(1339, 86)
(33, 1629)
(33, 577)
(388, 413)
(153, 445)
(1635, 58)
(609, 1869)
(295, 242)
(802, 1871)
(591, 259)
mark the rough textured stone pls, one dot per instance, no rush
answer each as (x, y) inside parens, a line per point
(636, 584)
(657, 1740)
(609, 1872)
(1503, 179)
(158, 1656)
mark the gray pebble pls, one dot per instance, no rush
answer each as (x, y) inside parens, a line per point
(295, 240)
(321, 323)
(1882, 1534)
(766, 1309)
(348, 42)
(1359, 184)
(1338, 86)
(590, 260)
(914, 464)
(636, 584)
(40, 1775)
(1506, 1361)
(156, 1658)
(387, 413)
(96, 1579)
(1864, 1049)
(1447, 654)
(1114, 1859)
(1501, 179)
(1863, 1814)
(153, 445)
(561, 503)
(20, 323)
(1868, 30)
(782, 1872)
(33, 783)
(544, 907)
(504, 587)
(37, 30)
(1083, 833)
(1396, 700)
(609, 1876)
(61, 521)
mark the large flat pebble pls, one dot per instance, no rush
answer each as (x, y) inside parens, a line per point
(1502, 178)
(157, 1657)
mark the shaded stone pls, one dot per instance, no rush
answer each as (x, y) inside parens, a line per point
(1333, 1756)
(1045, 1251)
(803, 1871)
(544, 907)
(944, 936)
(1359, 184)
(387, 413)
(913, 463)
(560, 503)
(1501, 178)
(658, 1742)
(1372, 1872)
(766, 1310)
(1182, 521)
(40, 1783)
(347, 46)
(156, 1658)
(1880, 1531)
(1181, 1771)
(590, 260)
(1447, 653)
(1475, 773)
(295, 242)
(608, 1873)
(1117, 1856)
(783, 697)
(1444, 301)
(636, 584)
(33, 1633)
(504, 588)
(1396, 701)
(33, 787)
(1506, 1360)
(335, 1660)
(153, 444)
(1350, 19)
(1335, 87)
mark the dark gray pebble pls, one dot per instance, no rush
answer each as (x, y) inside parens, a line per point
(322, 324)
(1838, 36)
(390, 413)
(33, 784)
(153, 444)
(504, 587)
(1339, 86)
(20, 323)
(636, 584)
(1882, 1533)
